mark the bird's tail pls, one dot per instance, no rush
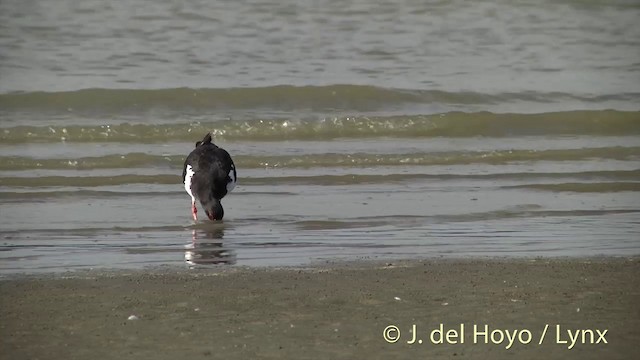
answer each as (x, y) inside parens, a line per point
(206, 140)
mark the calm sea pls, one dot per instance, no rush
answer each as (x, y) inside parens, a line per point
(360, 129)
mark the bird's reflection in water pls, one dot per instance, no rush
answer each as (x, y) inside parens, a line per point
(206, 247)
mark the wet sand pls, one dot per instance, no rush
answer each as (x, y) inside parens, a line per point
(330, 311)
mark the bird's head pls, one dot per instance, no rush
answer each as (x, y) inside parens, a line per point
(214, 211)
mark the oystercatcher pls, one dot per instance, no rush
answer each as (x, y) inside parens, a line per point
(208, 175)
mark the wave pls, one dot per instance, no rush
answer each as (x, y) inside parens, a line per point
(494, 157)
(365, 222)
(609, 177)
(40, 196)
(452, 124)
(88, 181)
(599, 187)
(282, 97)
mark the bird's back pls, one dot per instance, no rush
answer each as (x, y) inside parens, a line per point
(212, 169)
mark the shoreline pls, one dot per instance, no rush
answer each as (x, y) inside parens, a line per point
(330, 310)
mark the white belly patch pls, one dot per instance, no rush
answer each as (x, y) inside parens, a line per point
(187, 182)
(232, 175)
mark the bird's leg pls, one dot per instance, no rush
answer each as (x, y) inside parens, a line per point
(194, 211)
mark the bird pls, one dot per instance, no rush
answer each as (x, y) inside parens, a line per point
(208, 175)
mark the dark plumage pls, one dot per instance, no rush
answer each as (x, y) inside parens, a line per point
(208, 175)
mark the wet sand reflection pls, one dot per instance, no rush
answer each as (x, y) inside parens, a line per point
(207, 248)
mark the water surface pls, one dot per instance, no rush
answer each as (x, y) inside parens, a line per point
(360, 131)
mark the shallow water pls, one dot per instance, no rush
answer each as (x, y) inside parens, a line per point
(402, 129)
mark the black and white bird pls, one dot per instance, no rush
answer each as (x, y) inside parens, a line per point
(208, 175)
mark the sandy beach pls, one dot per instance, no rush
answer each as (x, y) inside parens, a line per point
(334, 310)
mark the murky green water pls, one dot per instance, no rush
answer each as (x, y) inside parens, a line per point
(360, 130)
